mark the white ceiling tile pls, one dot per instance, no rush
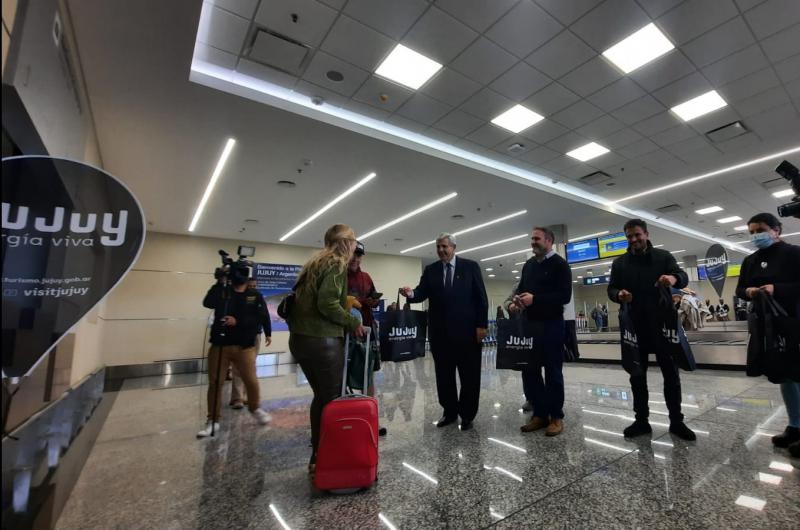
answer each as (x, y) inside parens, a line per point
(576, 115)
(706, 155)
(489, 135)
(638, 110)
(207, 53)
(793, 88)
(682, 90)
(669, 166)
(761, 102)
(560, 164)
(439, 36)
(336, 4)
(780, 122)
(578, 171)
(266, 73)
(487, 104)
(278, 53)
(478, 14)
(374, 87)
(423, 109)
(737, 65)
(483, 61)
(590, 77)
(442, 136)
(567, 142)
(688, 145)
(600, 128)
(525, 28)
(387, 16)
(226, 31)
(358, 44)
(551, 99)
(540, 155)
(367, 110)
(311, 90)
(617, 94)
(544, 131)
(568, 12)
(526, 144)
(673, 135)
(718, 43)
(714, 120)
(243, 8)
(637, 149)
(694, 17)
(450, 87)
(745, 5)
(783, 45)
(773, 16)
(655, 124)
(749, 85)
(562, 54)
(621, 139)
(459, 123)
(656, 8)
(607, 160)
(666, 69)
(736, 145)
(610, 22)
(789, 69)
(322, 63)
(410, 125)
(654, 158)
(313, 19)
(520, 82)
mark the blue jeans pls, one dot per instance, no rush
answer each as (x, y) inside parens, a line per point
(791, 397)
(547, 394)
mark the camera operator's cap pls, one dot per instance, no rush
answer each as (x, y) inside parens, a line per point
(360, 248)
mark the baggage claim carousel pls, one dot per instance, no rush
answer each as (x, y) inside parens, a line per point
(718, 345)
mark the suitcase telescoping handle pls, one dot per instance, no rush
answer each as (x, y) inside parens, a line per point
(346, 358)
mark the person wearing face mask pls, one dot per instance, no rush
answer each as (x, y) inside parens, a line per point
(775, 269)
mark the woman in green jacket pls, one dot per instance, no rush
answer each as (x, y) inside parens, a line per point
(319, 321)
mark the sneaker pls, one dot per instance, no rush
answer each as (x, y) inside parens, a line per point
(555, 428)
(637, 428)
(527, 406)
(207, 431)
(680, 430)
(794, 449)
(535, 424)
(261, 416)
(237, 405)
(788, 437)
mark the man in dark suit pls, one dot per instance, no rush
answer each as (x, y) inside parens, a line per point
(458, 316)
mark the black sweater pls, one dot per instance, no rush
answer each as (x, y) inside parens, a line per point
(779, 265)
(249, 310)
(550, 283)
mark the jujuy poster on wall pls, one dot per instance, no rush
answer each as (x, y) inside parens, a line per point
(70, 233)
(717, 267)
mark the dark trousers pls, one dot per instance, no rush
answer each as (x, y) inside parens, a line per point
(464, 357)
(547, 393)
(672, 385)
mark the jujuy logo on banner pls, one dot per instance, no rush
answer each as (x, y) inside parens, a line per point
(70, 234)
(717, 267)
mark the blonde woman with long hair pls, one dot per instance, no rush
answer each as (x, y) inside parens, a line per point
(318, 322)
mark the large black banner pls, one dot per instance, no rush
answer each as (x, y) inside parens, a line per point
(717, 267)
(70, 233)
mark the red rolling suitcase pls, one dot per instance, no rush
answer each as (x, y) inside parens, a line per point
(347, 457)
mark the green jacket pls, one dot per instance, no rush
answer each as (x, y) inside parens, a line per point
(319, 312)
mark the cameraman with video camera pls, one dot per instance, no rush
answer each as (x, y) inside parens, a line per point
(238, 313)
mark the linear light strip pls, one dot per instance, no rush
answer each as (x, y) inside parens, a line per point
(592, 265)
(510, 446)
(408, 215)
(506, 240)
(226, 152)
(587, 236)
(710, 174)
(421, 473)
(470, 229)
(507, 254)
(330, 205)
(508, 473)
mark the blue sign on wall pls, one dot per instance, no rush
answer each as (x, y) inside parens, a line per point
(274, 281)
(585, 250)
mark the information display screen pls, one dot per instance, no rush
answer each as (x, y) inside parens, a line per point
(612, 245)
(596, 280)
(585, 250)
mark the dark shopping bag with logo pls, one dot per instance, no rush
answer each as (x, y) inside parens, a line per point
(673, 337)
(518, 342)
(631, 361)
(774, 346)
(403, 333)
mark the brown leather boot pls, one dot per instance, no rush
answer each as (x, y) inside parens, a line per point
(555, 428)
(535, 424)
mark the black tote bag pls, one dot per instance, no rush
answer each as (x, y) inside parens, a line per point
(518, 342)
(774, 346)
(629, 342)
(571, 353)
(403, 334)
(673, 337)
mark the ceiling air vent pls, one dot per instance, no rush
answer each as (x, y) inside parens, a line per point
(515, 148)
(669, 208)
(277, 51)
(727, 132)
(596, 178)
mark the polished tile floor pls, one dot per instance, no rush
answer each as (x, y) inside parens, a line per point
(147, 470)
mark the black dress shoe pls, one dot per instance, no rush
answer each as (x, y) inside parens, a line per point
(382, 431)
(466, 425)
(444, 421)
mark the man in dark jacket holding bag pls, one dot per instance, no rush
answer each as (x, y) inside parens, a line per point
(636, 278)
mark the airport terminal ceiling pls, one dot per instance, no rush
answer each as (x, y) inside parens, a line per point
(163, 134)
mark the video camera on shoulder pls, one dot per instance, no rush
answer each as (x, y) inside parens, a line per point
(235, 271)
(790, 172)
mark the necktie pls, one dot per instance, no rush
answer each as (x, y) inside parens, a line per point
(448, 278)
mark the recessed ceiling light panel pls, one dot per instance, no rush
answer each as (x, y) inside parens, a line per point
(730, 219)
(788, 192)
(517, 119)
(588, 151)
(407, 67)
(699, 106)
(710, 209)
(638, 49)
